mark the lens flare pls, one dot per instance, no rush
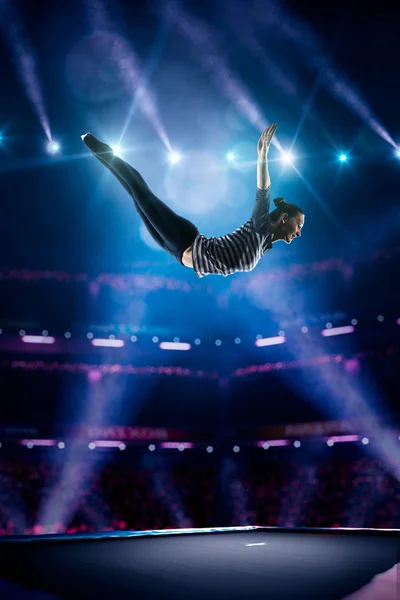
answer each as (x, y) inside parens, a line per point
(174, 158)
(287, 158)
(53, 147)
(117, 150)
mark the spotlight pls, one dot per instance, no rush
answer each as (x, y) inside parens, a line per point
(230, 156)
(53, 147)
(287, 158)
(343, 157)
(174, 158)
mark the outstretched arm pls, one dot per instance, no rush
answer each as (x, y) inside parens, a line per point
(263, 179)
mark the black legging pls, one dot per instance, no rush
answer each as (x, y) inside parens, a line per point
(171, 231)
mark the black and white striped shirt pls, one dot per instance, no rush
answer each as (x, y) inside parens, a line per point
(240, 250)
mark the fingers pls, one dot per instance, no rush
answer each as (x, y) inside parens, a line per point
(270, 131)
(266, 137)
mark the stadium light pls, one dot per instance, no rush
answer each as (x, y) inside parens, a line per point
(107, 343)
(338, 331)
(53, 147)
(272, 443)
(32, 443)
(177, 445)
(174, 346)
(107, 443)
(334, 439)
(272, 341)
(37, 339)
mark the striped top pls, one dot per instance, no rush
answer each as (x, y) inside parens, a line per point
(240, 250)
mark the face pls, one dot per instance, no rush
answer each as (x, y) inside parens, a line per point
(291, 227)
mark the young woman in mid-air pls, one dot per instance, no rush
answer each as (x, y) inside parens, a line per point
(237, 251)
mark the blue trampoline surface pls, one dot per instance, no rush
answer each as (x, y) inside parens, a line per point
(244, 562)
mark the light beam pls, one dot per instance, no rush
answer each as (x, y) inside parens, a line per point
(25, 62)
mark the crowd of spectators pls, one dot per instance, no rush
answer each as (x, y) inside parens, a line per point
(192, 400)
(39, 495)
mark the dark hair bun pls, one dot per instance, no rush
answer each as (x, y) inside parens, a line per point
(279, 202)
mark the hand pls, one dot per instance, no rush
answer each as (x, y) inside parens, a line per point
(265, 140)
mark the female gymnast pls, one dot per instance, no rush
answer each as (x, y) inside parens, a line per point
(231, 253)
